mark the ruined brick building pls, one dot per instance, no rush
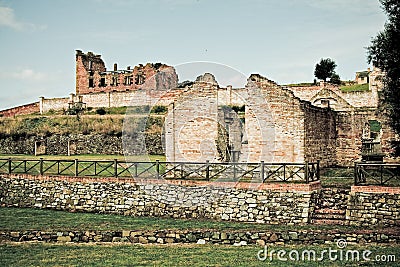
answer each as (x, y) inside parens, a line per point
(279, 124)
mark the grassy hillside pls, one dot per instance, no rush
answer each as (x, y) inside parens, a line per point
(355, 88)
(64, 124)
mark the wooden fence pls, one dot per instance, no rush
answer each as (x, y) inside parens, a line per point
(209, 171)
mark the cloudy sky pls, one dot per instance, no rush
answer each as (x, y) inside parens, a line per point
(280, 39)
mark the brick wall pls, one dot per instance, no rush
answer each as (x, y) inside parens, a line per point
(355, 99)
(320, 135)
(21, 110)
(93, 77)
(191, 125)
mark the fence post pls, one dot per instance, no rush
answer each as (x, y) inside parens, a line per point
(262, 171)
(76, 167)
(9, 166)
(234, 171)
(115, 167)
(284, 172)
(158, 168)
(318, 170)
(41, 166)
(355, 174)
(207, 170)
(306, 172)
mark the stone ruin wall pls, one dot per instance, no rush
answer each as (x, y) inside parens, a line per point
(279, 127)
(320, 135)
(355, 99)
(191, 125)
(49, 104)
(276, 135)
(93, 77)
(349, 128)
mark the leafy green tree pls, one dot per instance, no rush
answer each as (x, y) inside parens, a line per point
(325, 69)
(384, 53)
(335, 79)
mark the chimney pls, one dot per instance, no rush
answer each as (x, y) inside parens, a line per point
(115, 67)
(128, 68)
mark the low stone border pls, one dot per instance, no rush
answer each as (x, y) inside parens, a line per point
(205, 237)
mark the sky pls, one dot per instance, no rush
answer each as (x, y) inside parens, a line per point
(279, 39)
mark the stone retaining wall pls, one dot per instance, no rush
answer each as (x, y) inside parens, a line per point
(80, 144)
(290, 204)
(277, 204)
(374, 205)
(205, 237)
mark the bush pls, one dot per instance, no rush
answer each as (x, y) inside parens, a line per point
(101, 111)
(159, 109)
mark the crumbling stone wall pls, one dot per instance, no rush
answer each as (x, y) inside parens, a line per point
(320, 135)
(299, 131)
(191, 125)
(349, 126)
(355, 99)
(290, 204)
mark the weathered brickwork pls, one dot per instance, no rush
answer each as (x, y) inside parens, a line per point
(300, 131)
(49, 104)
(320, 135)
(339, 100)
(191, 125)
(281, 124)
(21, 110)
(92, 76)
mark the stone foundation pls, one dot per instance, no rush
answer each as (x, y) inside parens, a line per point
(260, 238)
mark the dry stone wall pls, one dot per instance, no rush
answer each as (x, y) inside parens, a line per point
(236, 238)
(85, 144)
(290, 204)
(379, 207)
(158, 199)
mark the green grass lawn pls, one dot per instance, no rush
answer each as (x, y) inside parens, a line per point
(19, 219)
(355, 88)
(106, 254)
(42, 254)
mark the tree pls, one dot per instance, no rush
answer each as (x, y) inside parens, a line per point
(325, 69)
(384, 53)
(335, 79)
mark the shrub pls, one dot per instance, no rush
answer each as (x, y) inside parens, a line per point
(159, 109)
(101, 111)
